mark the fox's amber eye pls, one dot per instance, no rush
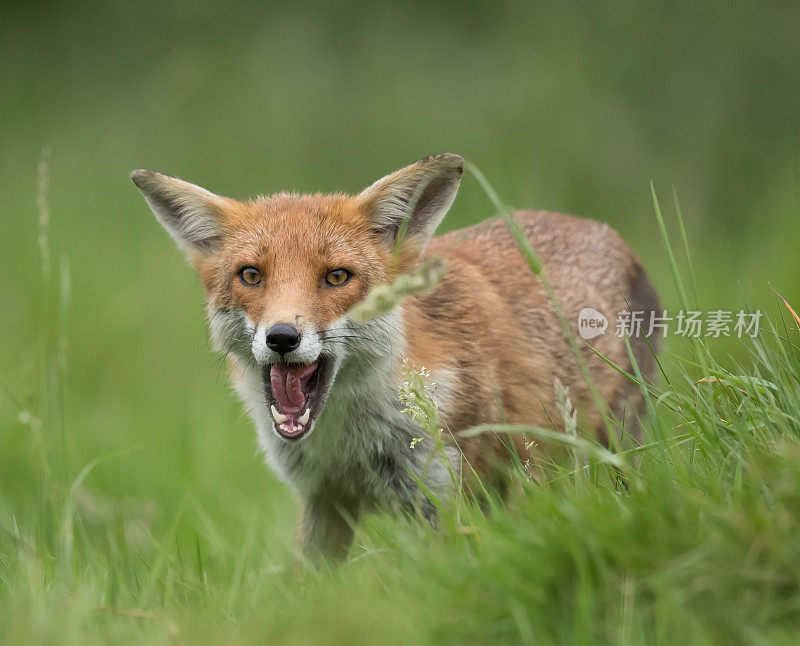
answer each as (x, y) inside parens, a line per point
(337, 277)
(250, 276)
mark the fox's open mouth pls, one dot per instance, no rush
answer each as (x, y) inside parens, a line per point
(294, 395)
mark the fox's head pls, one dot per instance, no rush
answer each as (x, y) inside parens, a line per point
(281, 273)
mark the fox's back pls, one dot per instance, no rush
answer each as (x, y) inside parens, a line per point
(489, 329)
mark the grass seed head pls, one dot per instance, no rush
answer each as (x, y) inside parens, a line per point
(422, 279)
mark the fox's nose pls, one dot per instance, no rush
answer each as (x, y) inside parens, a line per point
(283, 338)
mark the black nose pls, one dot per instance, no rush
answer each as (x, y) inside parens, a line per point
(283, 337)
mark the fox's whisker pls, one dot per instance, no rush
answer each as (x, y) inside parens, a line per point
(346, 342)
(345, 336)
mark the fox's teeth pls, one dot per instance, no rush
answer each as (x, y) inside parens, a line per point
(304, 418)
(279, 419)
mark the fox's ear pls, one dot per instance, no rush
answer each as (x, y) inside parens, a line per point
(190, 214)
(420, 193)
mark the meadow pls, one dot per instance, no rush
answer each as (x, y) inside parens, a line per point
(133, 505)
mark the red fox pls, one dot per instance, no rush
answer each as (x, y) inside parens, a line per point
(282, 273)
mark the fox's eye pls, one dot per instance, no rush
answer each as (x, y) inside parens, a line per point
(337, 277)
(250, 276)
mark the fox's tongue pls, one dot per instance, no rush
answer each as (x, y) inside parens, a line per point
(288, 385)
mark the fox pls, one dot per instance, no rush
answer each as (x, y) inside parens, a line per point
(282, 274)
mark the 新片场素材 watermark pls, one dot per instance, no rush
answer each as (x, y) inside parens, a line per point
(684, 323)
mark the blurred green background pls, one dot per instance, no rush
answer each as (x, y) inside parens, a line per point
(571, 106)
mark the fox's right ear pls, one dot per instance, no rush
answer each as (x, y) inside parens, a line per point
(190, 214)
(412, 201)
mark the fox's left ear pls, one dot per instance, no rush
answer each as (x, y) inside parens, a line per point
(420, 193)
(192, 215)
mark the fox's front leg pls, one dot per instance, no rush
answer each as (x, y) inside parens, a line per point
(326, 528)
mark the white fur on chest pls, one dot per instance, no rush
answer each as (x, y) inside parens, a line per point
(362, 422)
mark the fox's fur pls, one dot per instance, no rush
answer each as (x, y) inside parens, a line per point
(487, 333)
